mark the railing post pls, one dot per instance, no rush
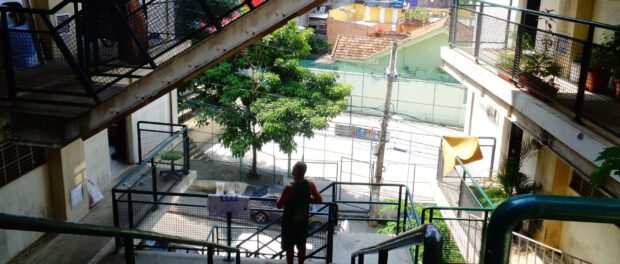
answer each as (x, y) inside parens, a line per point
(8, 59)
(400, 197)
(185, 150)
(405, 214)
(332, 221)
(484, 236)
(129, 209)
(154, 182)
(383, 257)
(130, 256)
(583, 74)
(117, 240)
(210, 255)
(453, 22)
(478, 32)
(360, 259)
(228, 233)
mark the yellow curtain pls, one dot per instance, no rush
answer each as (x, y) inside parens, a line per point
(464, 147)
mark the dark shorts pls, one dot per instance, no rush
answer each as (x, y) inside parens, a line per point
(294, 235)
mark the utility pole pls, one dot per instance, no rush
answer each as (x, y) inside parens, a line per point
(391, 77)
(376, 190)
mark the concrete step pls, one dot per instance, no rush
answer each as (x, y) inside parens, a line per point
(176, 258)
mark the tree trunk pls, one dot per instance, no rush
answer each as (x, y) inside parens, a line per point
(253, 172)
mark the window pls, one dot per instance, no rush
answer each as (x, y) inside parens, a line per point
(582, 186)
(17, 160)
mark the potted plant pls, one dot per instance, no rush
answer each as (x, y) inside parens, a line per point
(598, 71)
(538, 66)
(505, 63)
(538, 71)
(612, 42)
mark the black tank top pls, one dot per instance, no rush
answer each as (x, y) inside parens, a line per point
(296, 209)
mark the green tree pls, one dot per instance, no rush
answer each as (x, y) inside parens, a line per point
(262, 94)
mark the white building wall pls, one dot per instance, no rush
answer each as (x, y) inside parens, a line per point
(30, 196)
(97, 155)
(157, 111)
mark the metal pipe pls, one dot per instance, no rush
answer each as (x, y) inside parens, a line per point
(510, 213)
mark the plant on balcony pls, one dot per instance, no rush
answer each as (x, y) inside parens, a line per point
(611, 164)
(417, 15)
(505, 62)
(539, 67)
(612, 41)
(599, 69)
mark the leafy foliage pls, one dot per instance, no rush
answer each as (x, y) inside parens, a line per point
(319, 46)
(611, 164)
(262, 94)
(514, 182)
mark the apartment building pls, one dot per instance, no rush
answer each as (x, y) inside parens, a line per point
(497, 49)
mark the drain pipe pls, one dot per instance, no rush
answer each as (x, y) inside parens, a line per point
(563, 208)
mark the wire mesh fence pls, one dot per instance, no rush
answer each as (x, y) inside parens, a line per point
(256, 230)
(77, 50)
(342, 152)
(572, 70)
(463, 232)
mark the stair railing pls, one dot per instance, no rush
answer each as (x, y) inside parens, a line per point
(427, 234)
(35, 224)
(563, 208)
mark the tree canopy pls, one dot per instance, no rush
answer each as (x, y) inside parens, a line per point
(262, 94)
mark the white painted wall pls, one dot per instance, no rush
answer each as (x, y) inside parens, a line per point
(428, 101)
(30, 196)
(97, 155)
(156, 111)
(487, 120)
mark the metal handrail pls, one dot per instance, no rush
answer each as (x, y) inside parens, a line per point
(36, 224)
(516, 209)
(540, 13)
(427, 234)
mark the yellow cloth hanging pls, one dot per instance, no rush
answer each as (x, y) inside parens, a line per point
(464, 147)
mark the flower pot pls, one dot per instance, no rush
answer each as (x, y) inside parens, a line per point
(538, 88)
(505, 74)
(596, 81)
(617, 89)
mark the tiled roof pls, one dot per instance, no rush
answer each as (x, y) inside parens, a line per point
(356, 47)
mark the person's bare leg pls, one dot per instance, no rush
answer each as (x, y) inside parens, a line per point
(301, 253)
(290, 255)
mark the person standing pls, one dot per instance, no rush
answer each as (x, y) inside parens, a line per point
(296, 199)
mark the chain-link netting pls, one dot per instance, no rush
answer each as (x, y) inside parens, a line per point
(84, 49)
(257, 231)
(544, 58)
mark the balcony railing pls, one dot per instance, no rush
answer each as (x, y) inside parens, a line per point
(80, 53)
(577, 72)
(527, 250)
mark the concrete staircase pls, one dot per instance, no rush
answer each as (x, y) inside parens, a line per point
(56, 125)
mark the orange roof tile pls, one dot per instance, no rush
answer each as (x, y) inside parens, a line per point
(356, 47)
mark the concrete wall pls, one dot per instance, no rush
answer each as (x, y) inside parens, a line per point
(596, 243)
(156, 111)
(97, 156)
(68, 171)
(337, 27)
(428, 101)
(424, 54)
(28, 195)
(485, 119)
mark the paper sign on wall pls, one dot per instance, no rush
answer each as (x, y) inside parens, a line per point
(77, 195)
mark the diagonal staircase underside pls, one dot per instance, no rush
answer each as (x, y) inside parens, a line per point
(35, 122)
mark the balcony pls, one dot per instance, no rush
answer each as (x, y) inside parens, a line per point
(68, 71)
(571, 73)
